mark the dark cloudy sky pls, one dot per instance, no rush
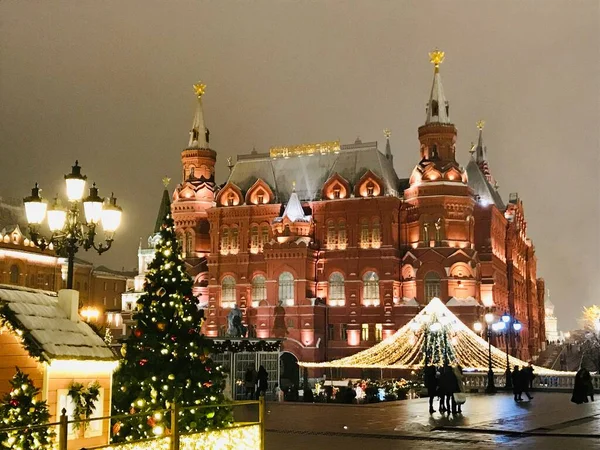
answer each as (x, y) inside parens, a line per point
(109, 82)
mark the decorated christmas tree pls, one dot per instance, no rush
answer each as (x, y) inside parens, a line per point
(166, 358)
(21, 407)
(437, 348)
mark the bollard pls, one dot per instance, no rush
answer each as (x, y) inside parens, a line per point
(63, 430)
(261, 420)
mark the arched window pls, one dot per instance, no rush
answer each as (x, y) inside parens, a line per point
(376, 234)
(259, 290)
(228, 292)
(188, 243)
(342, 243)
(337, 295)
(180, 242)
(433, 286)
(14, 274)
(286, 289)
(370, 289)
(331, 235)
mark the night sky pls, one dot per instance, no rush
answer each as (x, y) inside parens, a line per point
(110, 83)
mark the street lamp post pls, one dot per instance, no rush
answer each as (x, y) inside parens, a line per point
(478, 327)
(505, 326)
(70, 229)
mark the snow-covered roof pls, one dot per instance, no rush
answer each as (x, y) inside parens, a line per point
(48, 332)
(469, 301)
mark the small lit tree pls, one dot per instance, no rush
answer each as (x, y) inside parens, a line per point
(21, 407)
(590, 317)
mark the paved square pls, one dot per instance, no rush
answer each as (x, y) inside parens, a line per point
(549, 421)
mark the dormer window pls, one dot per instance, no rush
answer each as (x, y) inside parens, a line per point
(336, 192)
(230, 199)
(370, 189)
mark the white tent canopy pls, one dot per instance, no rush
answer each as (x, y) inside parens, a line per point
(402, 350)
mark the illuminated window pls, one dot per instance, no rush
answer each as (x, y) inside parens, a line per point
(254, 241)
(225, 241)
(260, 198)
(378, 332)
(259, 290)
(370, 189)
(331, 235)
(14, 274)
(230, 199)
(336, 192)
(264, 237)
(364, 233)
(180, 241)
(337, 295)
(370, 289)
(286, 289)
(228, 297)
(433, 286)
(342, 243)
(364, 332)
(376, 234)
(234, 244)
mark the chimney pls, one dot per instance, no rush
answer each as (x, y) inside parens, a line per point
(68, 301)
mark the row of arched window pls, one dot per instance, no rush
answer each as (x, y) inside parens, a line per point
(230, 241)
(285, 288)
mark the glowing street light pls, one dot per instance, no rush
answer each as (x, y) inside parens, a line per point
(478, 327)
(69, 227)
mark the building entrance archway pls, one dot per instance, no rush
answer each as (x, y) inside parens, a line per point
(289, 371)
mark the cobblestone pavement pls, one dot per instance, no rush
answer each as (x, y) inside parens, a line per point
(550, 421)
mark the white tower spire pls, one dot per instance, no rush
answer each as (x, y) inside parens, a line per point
(199, 134)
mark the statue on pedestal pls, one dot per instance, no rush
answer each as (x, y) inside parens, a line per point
(235, 326)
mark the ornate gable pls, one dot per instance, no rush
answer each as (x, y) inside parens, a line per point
(369, 185)
(230, 195)
(336, 187)
(259, 193)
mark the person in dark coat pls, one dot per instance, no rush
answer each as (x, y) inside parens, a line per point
(530, 376)
(526, 375)
(517, 382)
(430, 381)
(250, 382)
(449, 385)
(262, 381)
(589, 385)
(579, 388)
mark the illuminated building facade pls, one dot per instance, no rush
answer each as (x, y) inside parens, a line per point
(325, 245)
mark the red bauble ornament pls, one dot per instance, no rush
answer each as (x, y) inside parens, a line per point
(207, 384)
(151, 421)
(138, 333)
(173, 338)
(14, 402)
(191, 331)
(143, 362)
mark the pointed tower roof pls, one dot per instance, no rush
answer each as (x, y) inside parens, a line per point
(388, 149)
(165, 206)
(479, 175)
(199, 134)
(438, 108)
(293, 210)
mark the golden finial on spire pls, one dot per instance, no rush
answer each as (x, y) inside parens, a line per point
(436, 57)
(199, 89)
(166, 181)
(480, 124)
(293, 186)
(387, 133)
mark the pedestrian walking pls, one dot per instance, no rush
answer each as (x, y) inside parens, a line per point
(525, 382)
(530, 376)
(449, 387)
(589, 385)
(579, 388)
(262, 381)
(517, 381)
(459, 396)
(250, 382)
(430, 381)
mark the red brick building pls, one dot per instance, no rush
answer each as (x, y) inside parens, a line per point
(325, 245)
